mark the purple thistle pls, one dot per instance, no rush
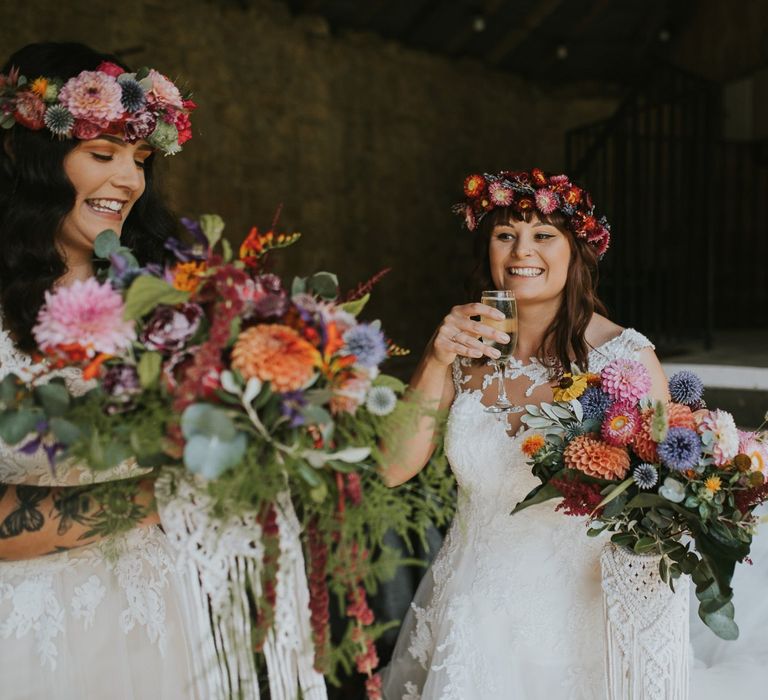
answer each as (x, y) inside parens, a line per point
(681, 450)
(366, 342)
(595, 402)
(686, 387)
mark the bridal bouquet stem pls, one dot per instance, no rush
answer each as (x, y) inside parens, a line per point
(673, 479)
(213, 365)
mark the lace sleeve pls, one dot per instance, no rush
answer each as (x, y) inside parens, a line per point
(625, 345)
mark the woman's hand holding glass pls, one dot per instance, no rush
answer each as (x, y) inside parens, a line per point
(460, 335)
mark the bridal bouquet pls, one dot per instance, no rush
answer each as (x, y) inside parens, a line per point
(212, 365)
(660, 477)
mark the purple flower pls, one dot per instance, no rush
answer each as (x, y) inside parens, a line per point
(291, 403)
(171, 327)
(265, 297)
(686, 387)
(366, 342)
(595, 402)
(681, 450)
(139, 126)
(121, 383)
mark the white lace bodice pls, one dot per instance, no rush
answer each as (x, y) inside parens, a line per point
(505, 593)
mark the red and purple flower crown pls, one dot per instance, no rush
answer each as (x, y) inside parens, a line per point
(108, 100)
(538, 193)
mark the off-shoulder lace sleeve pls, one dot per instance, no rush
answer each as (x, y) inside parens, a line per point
(625, 345)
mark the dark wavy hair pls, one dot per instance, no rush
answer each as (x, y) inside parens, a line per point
(36, 195)
(564, 338)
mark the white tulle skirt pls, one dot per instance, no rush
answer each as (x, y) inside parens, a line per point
(96, 623)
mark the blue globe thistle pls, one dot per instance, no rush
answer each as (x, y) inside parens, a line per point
(681, 450)
(133, 98)
(685, 387)
(646, 475)
(59, 120)
(366, 342)
(595, 402)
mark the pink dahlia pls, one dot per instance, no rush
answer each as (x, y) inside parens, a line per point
(85, 314)
(620, 424)
(719, 435)
(625, 380)
(164, 91)
(93, 96)
(500, 194)
(546, 201)
(756, 450)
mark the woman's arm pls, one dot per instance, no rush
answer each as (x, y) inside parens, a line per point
(432, 387)
(659, 383)
(39, 520)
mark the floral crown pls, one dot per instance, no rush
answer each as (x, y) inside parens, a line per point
(108, 100)
(538, 193)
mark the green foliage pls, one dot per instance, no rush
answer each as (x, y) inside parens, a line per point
(146, 292)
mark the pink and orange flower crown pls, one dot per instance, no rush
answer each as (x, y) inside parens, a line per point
(108, 100)
(534, 191)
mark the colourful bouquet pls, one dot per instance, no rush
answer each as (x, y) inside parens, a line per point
(658, 476)
(212, 364)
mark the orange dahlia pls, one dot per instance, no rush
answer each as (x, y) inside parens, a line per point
(596, 458)
(276, 354)
(532, 444)
(678, 416)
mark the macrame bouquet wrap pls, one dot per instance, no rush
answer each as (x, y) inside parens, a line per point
(646, 628)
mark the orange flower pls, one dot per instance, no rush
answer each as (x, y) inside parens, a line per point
(678, 416)
(275, 353)
(596, 458)
(593, 379)
(187, 275)
(39, 87)
(474, 186)
(532, 444)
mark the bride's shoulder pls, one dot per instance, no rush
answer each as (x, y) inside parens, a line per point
(608, 339)
(602, 330)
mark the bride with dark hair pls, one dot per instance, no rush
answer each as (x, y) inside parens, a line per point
(81, 615)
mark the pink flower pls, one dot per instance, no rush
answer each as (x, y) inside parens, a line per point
(164, 91)
(625, 380)
(85, 130)
(85, 314)
(755, 449)
(30, 110)
(500, 194)
(546, 201)
(620, 424)
(93, 96)
(110, 68)
(558, 180)
(469, 218)
(719, 435)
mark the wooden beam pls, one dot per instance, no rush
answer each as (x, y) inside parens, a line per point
(541, 11)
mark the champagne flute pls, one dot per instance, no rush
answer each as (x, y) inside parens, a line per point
(504, 301)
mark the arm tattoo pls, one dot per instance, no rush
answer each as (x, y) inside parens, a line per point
(27, 516)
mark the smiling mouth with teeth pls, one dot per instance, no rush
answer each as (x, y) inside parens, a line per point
(106, 206)
(525, 271)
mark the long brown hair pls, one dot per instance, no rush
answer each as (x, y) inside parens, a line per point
(564, 340)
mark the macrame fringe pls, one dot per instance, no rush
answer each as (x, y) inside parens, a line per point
(222, 562)
(646, 629)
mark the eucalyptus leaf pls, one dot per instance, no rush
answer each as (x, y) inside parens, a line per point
(54, 398)
(252, 390)
(16, 425)
(65, 431)
(208, 421)
(562, 413)
(229, 383)
(106, 243)
(578, 410)
(210, 456)
(146, 293)
(324, 284)
(298, 286)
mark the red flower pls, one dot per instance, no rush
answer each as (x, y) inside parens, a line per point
(572, 196)
(539, 178)
(30, 110)
(110, 68)
(183, 125)
(474, 186)
(579, 498)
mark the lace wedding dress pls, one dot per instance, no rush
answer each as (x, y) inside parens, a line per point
(103, 621)
(512, 607)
